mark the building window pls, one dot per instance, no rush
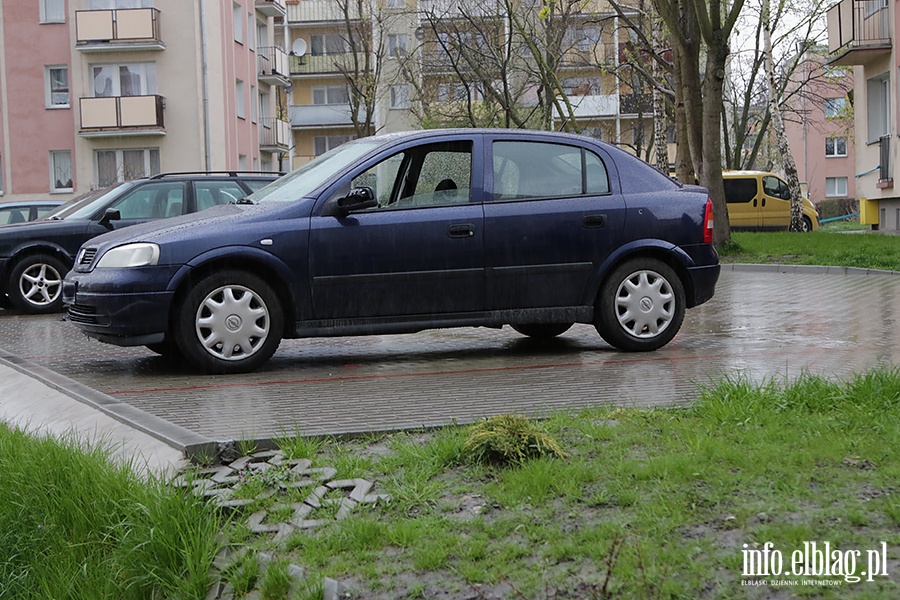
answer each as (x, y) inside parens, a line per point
(330, 94)
(835, 146)
(60, 171)
(323, 45)
(878, 105)
(251, 31)
(238, 22)
(324, 143)
(111, 166)
(834, 107)
(396, 45)
(53, 11)
(57, 87)
(262, 34)
(399, 96)
(135, 79)
(239, 106)
(111, 4)
(835, 186)
(396, 3)
(242, 162)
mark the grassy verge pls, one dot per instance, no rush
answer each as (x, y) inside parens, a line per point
(73, 526)
(818, 248)
(644, 504)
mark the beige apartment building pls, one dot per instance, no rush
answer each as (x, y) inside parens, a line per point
(98, 91)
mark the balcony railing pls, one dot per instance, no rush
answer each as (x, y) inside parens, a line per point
(312, 65)
(320, 115)
(858, 25)
(272, 8)
(118, 115)
(443, 9)
(122, 29)
(320, 11)
(592, 106)
(632, 104)
(273, 66)
(885, 176)
(274, 134)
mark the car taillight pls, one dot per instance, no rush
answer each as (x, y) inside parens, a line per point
(708, 222)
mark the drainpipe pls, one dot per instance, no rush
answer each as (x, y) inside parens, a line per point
(206, 151)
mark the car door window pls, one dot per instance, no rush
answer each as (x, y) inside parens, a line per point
(540, 170)
(776, 188)
(213, 193)
(150, 201)
(428, 175)
(740, 190)
(12, 215)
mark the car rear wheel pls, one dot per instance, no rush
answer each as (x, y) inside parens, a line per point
(542, 331)
(230, 322)
(35, 284)
(640, 306)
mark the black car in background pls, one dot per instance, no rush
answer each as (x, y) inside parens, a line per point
(34, 256)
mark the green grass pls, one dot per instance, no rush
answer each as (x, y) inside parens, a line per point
(74, 526)
(866, 250)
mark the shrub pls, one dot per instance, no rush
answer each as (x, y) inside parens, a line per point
(509, 439)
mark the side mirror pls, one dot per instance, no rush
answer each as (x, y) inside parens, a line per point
(111, 214)
(358, 199)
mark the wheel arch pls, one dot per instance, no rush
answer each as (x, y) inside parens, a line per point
(669, 253)
(33, 249)
(260, 264)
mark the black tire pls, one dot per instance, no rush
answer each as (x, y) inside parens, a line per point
(806, 225)
(4, 301)
(252, 327)
(542, 331)
(165, 348)
(35, 284)
(640, 306)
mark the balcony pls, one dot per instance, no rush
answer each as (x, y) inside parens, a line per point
(586, 107)
(274, 135)
(312, 12)
(272, 65)
(633, 104)
(122, 115)
(320, 115)
(316, 65)
(454, 9)
(858, 30)
(124, 29)
(272, 8)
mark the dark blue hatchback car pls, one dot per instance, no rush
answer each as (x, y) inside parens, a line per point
(411, 231)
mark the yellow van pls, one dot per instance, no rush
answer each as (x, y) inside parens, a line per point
(760, 200)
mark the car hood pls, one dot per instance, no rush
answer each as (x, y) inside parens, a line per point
(221, 221)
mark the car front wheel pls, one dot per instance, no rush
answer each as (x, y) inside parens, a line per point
(35, 284)
(640, 306)
(230, 322)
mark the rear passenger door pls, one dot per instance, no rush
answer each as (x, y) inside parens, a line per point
(776, 203)
(552, 218)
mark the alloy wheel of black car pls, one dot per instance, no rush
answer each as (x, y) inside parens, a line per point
(640, 306)
(35, 284)
(542, 331)
(230, 322)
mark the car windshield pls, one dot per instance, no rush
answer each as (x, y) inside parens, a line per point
(302, 181)
(86, 205)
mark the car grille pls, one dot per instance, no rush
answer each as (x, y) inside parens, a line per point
(87, 257)
(79, 313)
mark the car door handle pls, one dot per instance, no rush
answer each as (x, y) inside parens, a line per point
(463, 230)
(594, 221)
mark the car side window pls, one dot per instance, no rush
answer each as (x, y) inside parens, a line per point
(428, 175)
(740, 190)
(12, 215)
(541, 170)
(776, 187)
(43, 210)
(213, 193)
(151, 201)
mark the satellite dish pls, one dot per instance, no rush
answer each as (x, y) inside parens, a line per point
(298, 48)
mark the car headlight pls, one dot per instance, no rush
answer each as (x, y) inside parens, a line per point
(130, 255)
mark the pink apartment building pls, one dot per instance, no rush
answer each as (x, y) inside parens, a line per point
(98, 91)
(819, 131)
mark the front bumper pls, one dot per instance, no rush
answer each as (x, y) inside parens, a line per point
(125, 307)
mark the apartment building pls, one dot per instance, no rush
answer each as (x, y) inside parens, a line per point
(98, 91)
(417, 64)
(820, 127)
(860, 36)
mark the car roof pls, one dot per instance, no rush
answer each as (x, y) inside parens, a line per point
(426, 133)
(21, 203)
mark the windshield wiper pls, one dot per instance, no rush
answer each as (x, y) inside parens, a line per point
(245, 200)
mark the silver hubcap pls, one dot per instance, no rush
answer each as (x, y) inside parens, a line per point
(40, 284)
(645, 304)
(232, 322)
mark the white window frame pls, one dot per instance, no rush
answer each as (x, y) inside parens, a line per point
(333, 94)
(114, 4)
(835, 147)
(151, 167)
(832, 187)
(48, 87)
(834, 106)
(878, 107)
(322, 39)
(53, 11)
(397, 45)
(55, 156)
(240, 103)
(237, 18)
(254, 104)
(146, 70)
(399, 97)
(251, 31)
(329, 142)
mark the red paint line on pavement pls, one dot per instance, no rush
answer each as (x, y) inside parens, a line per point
(434, 373)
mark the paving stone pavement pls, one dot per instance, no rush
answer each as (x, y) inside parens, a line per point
(764, 323)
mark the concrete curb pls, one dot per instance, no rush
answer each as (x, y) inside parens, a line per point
(804, 269)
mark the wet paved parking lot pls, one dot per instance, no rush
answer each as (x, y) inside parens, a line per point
(762, 324)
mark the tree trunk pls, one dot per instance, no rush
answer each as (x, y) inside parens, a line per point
(660, 121)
